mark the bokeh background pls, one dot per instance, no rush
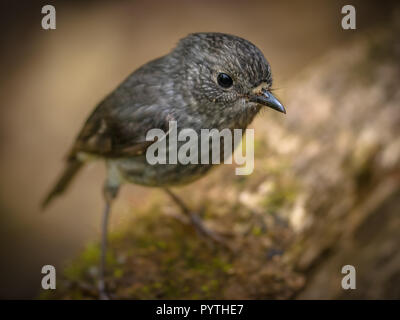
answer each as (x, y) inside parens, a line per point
(339, 138)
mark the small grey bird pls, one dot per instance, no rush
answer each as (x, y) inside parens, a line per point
(210, 80)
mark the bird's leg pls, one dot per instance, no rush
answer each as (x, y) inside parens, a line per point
(195, 219)
(110, 192)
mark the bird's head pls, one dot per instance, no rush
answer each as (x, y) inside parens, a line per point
(227, 75)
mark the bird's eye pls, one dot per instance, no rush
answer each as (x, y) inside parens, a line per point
(224, 80)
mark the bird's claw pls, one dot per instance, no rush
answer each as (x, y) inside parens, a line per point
(103, 295)
(205, 232)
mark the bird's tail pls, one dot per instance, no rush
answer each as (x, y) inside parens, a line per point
(71, 169)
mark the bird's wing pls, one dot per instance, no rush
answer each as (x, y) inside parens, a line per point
(119, 124)
(115, 129)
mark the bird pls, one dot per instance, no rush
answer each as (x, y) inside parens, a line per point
(209, 80)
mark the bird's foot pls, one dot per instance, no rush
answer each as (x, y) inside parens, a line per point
(207, 233)
(197, 223)
(103, 295)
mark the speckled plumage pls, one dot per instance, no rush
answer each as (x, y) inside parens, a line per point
(180, 86)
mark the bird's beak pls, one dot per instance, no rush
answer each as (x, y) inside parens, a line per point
(266, 98)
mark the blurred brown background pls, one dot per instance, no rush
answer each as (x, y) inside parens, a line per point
(51, 80)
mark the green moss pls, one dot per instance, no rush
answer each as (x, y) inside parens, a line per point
(283, 194)
(158, 257)
(256, 231)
